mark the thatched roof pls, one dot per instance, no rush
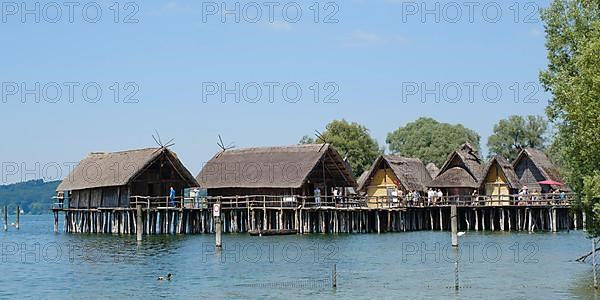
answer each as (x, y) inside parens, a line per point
(432, 169)
(465, 158)
(507, 170)
(541, 161)
(275, 167)
(454, 177)
(411, 172)
(363, 177)
(102, 169)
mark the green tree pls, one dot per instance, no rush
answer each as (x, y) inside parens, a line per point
(573, 77)
(517, 132)
(430, 140)
(591, 200)
(351, 139)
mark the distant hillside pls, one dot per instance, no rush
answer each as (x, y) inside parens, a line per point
(34, 196)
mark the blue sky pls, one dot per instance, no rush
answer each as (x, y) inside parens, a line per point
(371, 57)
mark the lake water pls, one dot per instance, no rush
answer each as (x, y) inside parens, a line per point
(37, 263)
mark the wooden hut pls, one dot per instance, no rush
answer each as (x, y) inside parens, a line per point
(533, 166)
(110, 179)
(500, 181)
(432, 169)
(461, 173)
(276, 171)
(390, 177)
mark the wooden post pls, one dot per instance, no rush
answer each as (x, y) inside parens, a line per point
(218, 229)
(139, 226)
(55, 221)
(483, 219)
(456, 286)
(502, 219)
(218, 232)
(594, 262)
(509, 220)
(530, 221)
(334, 277)
(18, 217)
(454, 225)
(554, 223)
(377, 221)
(5, 218)
(264, 227)
(248, 221)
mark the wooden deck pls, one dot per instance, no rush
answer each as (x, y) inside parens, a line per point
(324, 215)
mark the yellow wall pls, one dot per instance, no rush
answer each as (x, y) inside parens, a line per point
(495, 184)
(382, 180)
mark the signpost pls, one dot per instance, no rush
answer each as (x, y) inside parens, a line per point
(218, 229)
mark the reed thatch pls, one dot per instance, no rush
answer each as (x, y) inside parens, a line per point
(532, 165)
(432, 169)
(363, 177)
(411, 172)
(102, 169)
(507, 169)
(276, 167)
(465, 158)
(454, 177)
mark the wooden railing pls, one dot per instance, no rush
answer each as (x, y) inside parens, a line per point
(268, 201)
(254, 201)
(494, 200)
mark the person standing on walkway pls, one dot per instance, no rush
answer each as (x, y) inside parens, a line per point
(172, 195)
(318, 196)
(429, 196)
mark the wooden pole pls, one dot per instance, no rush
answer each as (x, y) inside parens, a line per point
(139, 226)
(530, 221)
(218, 225)
(554, 223)
(264, 227)
(377, 220)
(594, 262)
(55, 221)
(18, 217)
(218, 232)
(334, 277)
(5, 218)
(454, 225)
(456, 286)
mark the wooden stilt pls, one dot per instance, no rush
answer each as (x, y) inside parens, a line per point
(139, 227)
(454, 225)
(5, 218)
(17, 222)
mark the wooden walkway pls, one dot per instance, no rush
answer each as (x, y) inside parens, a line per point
(322, 215)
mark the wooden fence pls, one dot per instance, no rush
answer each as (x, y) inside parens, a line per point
(283, 202)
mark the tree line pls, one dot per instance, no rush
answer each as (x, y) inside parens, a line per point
(430, 140)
